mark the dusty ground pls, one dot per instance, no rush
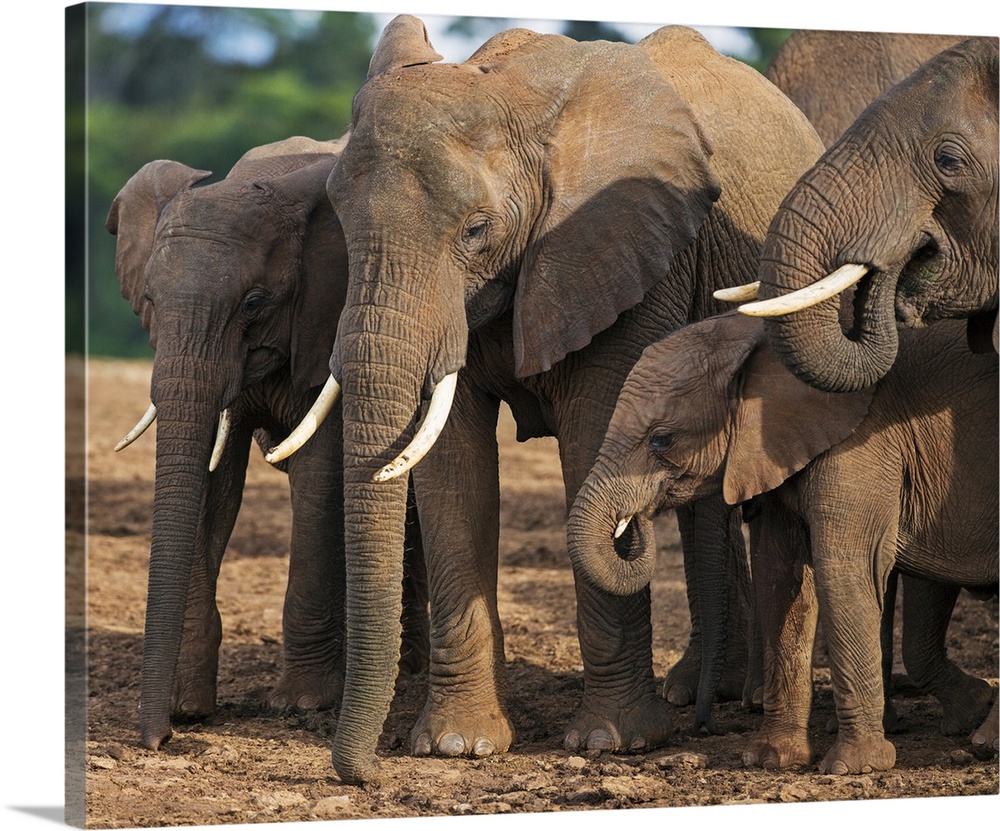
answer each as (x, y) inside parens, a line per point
(247, 765)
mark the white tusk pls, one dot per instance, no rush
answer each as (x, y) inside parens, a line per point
(622, 526)
(221, 435)
(310, 422)
(833, 284)
(139, 429)
(738, 294)
(423, 441)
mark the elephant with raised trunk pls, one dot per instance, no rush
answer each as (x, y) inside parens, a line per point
(240, 284)
(906, 202)
(845, 486)
(520, 226)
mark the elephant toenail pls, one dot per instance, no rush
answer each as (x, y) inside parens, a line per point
(451, 744)
(572, 740)
(839, 769)
(422, 745)
(484, 747)
(600, 740)
(307, 702)
(638, 744)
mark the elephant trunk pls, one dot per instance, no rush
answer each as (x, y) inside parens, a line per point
(610, 547)
(814, 343)
(380, 408)
(184, 439)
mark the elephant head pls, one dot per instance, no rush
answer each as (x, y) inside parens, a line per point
(707, 410)
(232, 281)
(468, 192)
(908, 198)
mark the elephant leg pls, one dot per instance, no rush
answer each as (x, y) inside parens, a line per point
(852, 562)
(194, 690)
(786, 608)
(927, 608)
(313, 617)
(414, 654)
(458, 499)
(621, 709)
(713, 545)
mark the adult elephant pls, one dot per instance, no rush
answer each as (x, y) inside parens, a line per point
(240, 284)
(532, 217)
(832, 76)
(844, 494)
(905, 201)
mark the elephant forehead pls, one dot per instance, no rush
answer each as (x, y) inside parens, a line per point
(222, 214)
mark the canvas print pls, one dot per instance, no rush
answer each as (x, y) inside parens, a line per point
(476, 415)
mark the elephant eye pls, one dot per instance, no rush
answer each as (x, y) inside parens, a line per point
(474, 235)
(660, 442)
(253, 304)
(949, 159)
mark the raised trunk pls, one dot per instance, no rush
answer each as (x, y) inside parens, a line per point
(816, 344)
(184, 438)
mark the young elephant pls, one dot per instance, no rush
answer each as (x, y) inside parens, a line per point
(851, 485)
(240, 284)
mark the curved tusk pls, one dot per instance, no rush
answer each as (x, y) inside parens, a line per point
(622, 526)
(148, 417)
(795, 301)
(221, 435)
(423, 441)
(738, 294)
(310, 422)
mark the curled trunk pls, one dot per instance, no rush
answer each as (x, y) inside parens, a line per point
(615, 556)
(831, 345)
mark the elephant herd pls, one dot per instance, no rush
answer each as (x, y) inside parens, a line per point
(563, 226)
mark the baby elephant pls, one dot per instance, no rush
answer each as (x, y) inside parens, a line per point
(851, 485)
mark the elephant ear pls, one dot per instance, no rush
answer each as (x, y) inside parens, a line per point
(628, 185)
(132, 219)
(404, 42)
(322, 269)
(780, 424)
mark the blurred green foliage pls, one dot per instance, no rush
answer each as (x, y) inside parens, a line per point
(154, 82)
(202, 85)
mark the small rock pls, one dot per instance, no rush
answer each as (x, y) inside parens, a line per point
(461, 808)
(586, 796)
(685, 759)
(103, 763)
(575, 763)
(792, 793)
(960, 758)
(331, 806)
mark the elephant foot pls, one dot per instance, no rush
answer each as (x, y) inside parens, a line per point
(984, 739)
(194, 692)
(604, 725)
(458, 730)
(963, 704)
(859, 755)
(778, 748)
(680, 687)
(306, 690)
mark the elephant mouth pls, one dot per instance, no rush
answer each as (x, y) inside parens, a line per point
(630, 544)
(916, 282)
